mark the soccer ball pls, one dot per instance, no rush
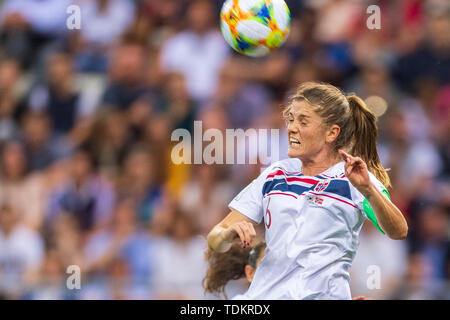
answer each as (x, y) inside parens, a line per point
(255, 27)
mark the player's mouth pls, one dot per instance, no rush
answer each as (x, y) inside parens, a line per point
(294, 142)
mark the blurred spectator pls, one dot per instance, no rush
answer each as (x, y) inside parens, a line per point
(59, 96)
(268, 75)
(126, 75)
(197, 52)
(43, 16)
(110, 141)
(41, 148)
(157, 135)
(235, 94)
(180, 108)
(138, 182)
(85, 194)
(305, 70)
(27, 26)
(330, 35)
(104, 22)
(374, 80)
(124, 241)
(338, 19)
(117, 286)
(179, 259)
(414, 285)
(65, 239)
(377, 250)
(205, 197)
(163, 217)
(51, 283)
(431, 239)
(156, 20)
(431, 57)
(9, 98)
(26, 192)
(21, 253)
(120, 260)
(413, 164)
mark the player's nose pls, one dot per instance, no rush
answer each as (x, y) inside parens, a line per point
(292, 128)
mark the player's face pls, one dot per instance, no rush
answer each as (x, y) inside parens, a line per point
(306, 131)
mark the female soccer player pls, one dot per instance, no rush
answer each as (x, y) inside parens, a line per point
(314, 203)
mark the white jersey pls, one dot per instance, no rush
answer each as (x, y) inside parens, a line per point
(312, 228)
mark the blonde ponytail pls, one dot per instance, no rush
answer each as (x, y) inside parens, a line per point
(365, 134)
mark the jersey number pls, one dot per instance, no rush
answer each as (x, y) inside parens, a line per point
(268, 216)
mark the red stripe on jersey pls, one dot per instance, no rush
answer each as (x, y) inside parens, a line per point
(306, 180)
(280, 172)
(275, 173)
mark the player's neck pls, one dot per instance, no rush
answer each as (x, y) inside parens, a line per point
(318, 164)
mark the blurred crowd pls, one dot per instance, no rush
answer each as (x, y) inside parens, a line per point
(86, 116)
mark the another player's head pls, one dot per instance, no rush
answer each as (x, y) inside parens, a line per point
(234, 264)
(322, 119)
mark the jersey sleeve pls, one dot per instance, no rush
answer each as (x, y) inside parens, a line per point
(363, 204)
(249, 201)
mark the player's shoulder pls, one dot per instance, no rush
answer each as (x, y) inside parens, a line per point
(289, 165)
(335, 172)
(338, 173)
(376, 182)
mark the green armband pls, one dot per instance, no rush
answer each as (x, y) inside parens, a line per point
(371, 214)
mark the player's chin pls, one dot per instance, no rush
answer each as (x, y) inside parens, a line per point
(294, 152)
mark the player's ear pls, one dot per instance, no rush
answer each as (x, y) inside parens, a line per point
(249, 273)
(332, 133)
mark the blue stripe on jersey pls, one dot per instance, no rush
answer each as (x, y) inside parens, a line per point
(338, 187)
(282, 185)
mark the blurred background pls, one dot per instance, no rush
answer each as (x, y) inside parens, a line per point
(86, 176)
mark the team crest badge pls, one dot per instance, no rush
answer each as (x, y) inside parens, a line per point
(322, 185)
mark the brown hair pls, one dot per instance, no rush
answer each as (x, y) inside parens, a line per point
(227, 266)
(359, 131)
